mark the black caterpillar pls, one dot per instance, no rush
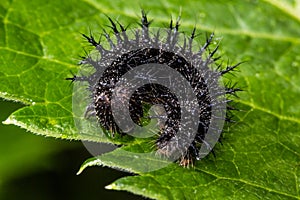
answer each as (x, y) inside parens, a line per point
(126, 53)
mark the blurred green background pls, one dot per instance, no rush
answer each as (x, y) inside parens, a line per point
(35, 167)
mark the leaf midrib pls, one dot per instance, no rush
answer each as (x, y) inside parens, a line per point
(286, 9)
(206, 28)
(38, 57)
(279, 116)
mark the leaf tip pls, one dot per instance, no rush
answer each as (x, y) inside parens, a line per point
(90, 162)
(9, 120)
(80, 171)
(112, 186)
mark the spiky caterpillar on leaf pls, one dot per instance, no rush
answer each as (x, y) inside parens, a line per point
(146, 47)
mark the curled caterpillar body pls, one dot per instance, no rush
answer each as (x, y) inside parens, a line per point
(160, 59)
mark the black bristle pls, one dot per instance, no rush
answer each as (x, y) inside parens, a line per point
(113, 25)
(230, 68)
(144, 21)
(91, 40)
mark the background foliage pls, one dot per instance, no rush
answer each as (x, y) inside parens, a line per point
(260, 157)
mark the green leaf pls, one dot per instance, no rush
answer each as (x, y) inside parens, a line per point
(260, 155)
